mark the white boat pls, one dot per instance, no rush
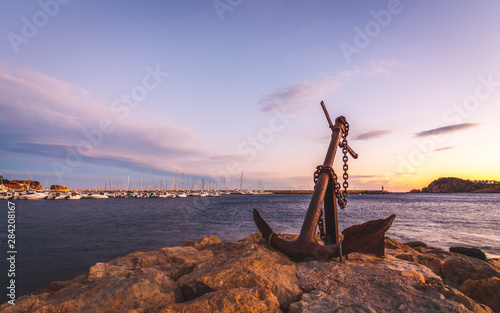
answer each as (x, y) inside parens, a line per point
(204, 194)
(74, 196)
(98, 196)
(34, 195)
(261, 190)
(182, 195)
(61, 196)
(5, 195)
(237, 192)
(166, 194)
(133, 195)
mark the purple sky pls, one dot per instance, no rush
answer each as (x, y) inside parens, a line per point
(92, 91)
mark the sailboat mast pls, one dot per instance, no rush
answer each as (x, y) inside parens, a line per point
(241, 181)
(175, 181)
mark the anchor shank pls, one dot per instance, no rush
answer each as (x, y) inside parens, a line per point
(331, 220)
(313, 211)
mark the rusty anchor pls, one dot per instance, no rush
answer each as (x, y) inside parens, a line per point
(366, 238)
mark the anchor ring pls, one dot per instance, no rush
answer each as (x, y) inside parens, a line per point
(269, 239)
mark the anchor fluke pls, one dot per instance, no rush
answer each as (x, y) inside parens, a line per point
(263, 227)
(356, 238)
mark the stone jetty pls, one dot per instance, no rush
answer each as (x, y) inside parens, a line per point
(247, 276)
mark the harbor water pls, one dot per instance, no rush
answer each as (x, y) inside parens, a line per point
(60, 239)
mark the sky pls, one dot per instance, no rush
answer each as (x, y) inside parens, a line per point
(128, 92)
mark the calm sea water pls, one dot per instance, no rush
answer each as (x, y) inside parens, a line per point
(58, 240)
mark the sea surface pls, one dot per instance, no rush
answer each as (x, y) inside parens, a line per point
(60, 239)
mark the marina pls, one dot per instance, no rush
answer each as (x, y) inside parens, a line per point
(89, 194)
(32, 190)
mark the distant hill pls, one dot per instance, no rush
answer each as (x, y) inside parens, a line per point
(58, 188)
(453, 184)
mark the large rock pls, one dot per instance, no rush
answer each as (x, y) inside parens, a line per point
(457, 269)
(486, 291)
(396, 245)
(495, 264)
(432, 262)
(226, 301)
(407, 253)
(370, 284)
(453, 294)
(247, 276)
(114, 294)
(244, 264)
(473, 252)
(210, 240)
(139, 280)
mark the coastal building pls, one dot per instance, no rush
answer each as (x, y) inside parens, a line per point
(487, 182)
(11, 187)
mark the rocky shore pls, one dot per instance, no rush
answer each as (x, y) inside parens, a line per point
(453, 184)
(247, 276)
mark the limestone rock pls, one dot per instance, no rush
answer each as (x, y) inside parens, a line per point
(381, 286)
(472, 252)
(244, 264)
(486, 291)
(138, 280)
(210, 240)
(248, 276)
(415, 244)
(173, 262)
(233, 300)
(115, 294)
(395, 245)
(432, 262)
(457, 269)
(495, 264)
(457, 296)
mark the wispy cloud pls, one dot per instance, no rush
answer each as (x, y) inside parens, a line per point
(300, 95)
(443, 149)
(446, 129)
(43, 116)
(373, 134)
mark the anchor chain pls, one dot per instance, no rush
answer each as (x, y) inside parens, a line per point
(340, 195)
(342, 198)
